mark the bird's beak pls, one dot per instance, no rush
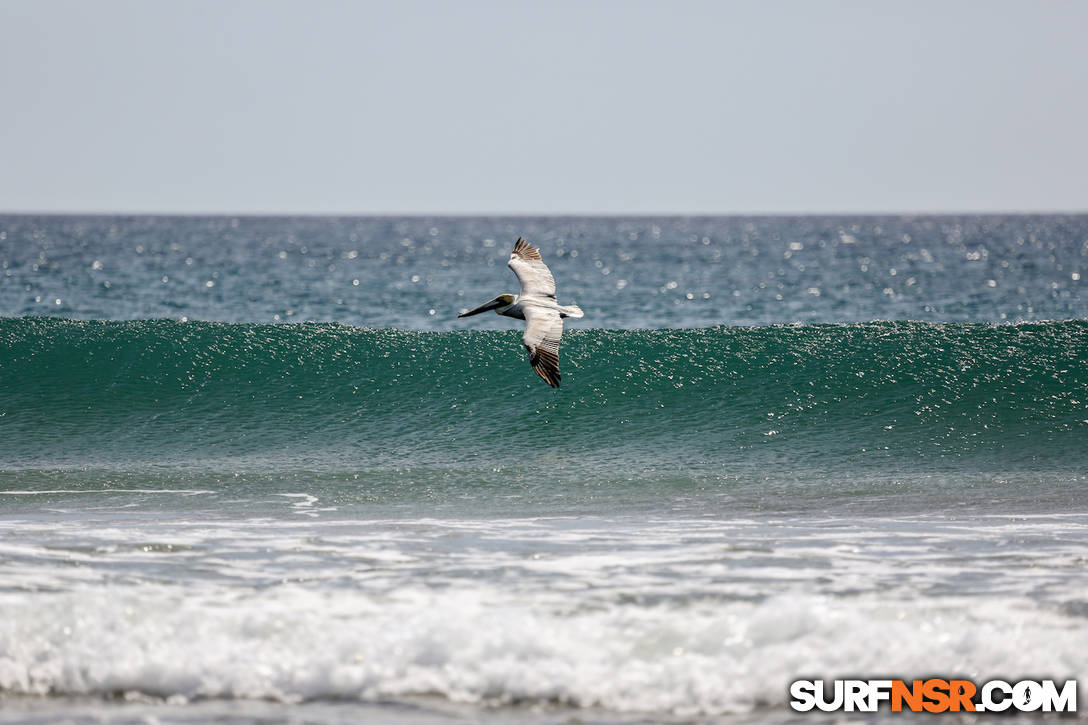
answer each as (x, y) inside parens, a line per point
(489, 305)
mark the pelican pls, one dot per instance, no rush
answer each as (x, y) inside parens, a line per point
(537, 306)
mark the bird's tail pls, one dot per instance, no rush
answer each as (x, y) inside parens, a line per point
(571, 311)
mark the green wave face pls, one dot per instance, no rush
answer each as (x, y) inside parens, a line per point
(827, 399)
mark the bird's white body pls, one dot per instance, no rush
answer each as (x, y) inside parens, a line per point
(516, 310)
(538, 307)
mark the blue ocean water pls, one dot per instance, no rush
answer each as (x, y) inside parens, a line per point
(416, 273)
(255, 469)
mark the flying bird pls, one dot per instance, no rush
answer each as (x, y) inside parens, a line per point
(537, 306)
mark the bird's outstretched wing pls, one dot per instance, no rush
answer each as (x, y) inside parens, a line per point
(535, 277)
(543, 329)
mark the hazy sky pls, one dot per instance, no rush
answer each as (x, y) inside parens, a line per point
(627, 107)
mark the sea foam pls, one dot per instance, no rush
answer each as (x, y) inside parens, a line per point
(478, 645)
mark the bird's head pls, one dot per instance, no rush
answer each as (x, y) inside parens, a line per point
(503, 300)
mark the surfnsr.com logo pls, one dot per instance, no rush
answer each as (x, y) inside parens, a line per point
(934, 695)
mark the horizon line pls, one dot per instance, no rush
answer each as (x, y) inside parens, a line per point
(538, 214)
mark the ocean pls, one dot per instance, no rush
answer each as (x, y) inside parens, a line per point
(255, 470)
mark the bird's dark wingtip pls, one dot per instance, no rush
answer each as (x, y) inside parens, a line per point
(525, 250)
